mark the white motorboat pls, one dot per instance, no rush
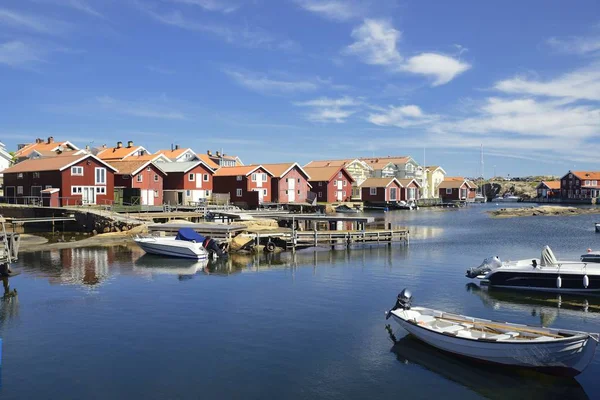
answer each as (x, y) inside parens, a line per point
(187, 244)
(479, 198)
(506, 199)
(550, 350)
(542, 274)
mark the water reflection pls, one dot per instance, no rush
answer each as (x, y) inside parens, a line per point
(492, 382)
(548, 306)
(9, 305)
(149, 264)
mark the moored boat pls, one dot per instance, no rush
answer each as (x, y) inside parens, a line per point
(550, 350)
(187, 244)
(344, 209)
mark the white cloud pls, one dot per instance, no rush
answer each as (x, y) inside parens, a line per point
(264, 84)
(31, 22)
(402, 117)
(79, 5)
(211, 5)
(20, 54)
(579, 84)
(144, 109)
(329, 110)
(376, 43)
(576, 44)
(340, 10)
(442, 68)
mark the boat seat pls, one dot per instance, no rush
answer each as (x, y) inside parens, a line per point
(453, 328)
(512, 334)
(424, 319)
(502, 336)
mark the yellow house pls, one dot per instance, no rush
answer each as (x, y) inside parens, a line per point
(434, 175)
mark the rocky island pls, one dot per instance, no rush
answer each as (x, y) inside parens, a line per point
(542, 211)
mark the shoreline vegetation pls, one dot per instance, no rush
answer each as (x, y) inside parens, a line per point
(543, 211)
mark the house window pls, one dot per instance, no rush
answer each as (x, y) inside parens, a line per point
(188, 193)
(320, 183)
(208, 193)
(36, 174)
(373, 191)
(564, 182)
(254, 177)
(48, 187)
(264, 177)
(100, 176)
(239, 178)
(298, 180)
(191, 177)
(587, 183)
(594, 183)
(344, 194)
(345, 183)
(340, 174)
(78, 171)
(206, 177)
(577, 181)
(238, 192)
(448, 191)
(100, 189)
(320, 194)
(286, 192)
(20, 175)
(334, 183)
(155, 177)
(298, 191)
(265, 192)
(156, 194)
(19, 189)
(139, 177)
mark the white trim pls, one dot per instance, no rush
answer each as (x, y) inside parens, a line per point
(371, 191)
(238, 193)
(86, 157)
(98, 182)
(74, 174)
(151, 162)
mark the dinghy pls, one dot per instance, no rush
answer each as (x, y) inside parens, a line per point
(555, 351)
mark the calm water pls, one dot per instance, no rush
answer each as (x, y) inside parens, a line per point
(113, 323)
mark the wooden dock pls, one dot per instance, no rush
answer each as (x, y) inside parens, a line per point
(348, 238)
(216, 231)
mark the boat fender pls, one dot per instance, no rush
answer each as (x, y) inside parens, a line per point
(270, 247)
(558, 282)
(586, 281)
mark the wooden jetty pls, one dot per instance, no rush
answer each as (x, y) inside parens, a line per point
(216, 231)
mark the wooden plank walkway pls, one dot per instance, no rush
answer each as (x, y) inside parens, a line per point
(348, 238)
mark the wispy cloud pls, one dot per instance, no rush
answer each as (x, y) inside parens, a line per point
(144, 109)
(340, 10)
(32, 23)
(329, 110)
(376, 43)
(211, 5)
(401, 117)
(160, 70)
(78, 5)
(18, 54)
(264, 84)
(576, 44)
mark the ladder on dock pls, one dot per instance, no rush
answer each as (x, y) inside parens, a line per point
(9, 249)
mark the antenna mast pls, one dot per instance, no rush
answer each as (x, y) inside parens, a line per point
(481, 162)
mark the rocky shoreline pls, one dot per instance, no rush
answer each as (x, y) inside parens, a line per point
(544, 211)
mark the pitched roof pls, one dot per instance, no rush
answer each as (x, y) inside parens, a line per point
(382, 162)
(587, 174)
(435, 167)
(240, 170)
(183, 166)
(208, 161)
(117, 153)
(453, 183)
(132, 167)
(280, 169)
(324, 173)
(51, 163)
(379, 182)
(173, 154)
(43, 146)
(406, 182)
(549, 184)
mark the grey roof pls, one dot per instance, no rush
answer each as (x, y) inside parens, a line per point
(183, 166)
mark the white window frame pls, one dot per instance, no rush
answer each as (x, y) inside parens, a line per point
(188, 193)
(345, 183)
(101, 190)
(448, 190)
(48, 187)
(102, 171)
(77, 171)
(238, 192)
(254, 177)
(139, 178)
(264, 177)
(20, 175)
(191, 177)
(20, 190)
(238, 178)
(156, 178)
(264, 192)
(156, 194)
(373, 191)
(320, 194)
(206, 177)
(320, 183)
(36, 174)
(587, 183)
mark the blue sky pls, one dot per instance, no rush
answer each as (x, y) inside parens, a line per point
(295, 80)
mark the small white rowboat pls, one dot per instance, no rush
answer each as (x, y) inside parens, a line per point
(556, 351)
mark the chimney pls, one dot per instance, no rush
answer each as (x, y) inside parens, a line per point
(218, 153)
(130, 144)
(142, 152)
(104, 146)
(87, 148)
(208, 153)
(176, 147)
(39, 140)
(119, 145)
(51, 139)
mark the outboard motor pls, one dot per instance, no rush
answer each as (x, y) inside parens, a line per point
(486, 266)
(402, 301)
(213, 247)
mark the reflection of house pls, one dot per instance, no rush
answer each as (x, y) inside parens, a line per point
(330, 183)
(82, 179)
(358, 170)
(381, 190)
(145, 177)
(87, 266)
(548, 189)
(246, 185)
(178, 154)
(580, 185)
(187, 182)
(224, 160)
(119, 152)
(457, 189)
(289, 183)
(434, 175)
(41, 148)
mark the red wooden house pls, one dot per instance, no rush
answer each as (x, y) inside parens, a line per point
(331, 184)
(289, 183)
(548, 189)
(82, 179)
(410, 189)
(457, 189)
(381, 190)
(248, 185)
(580, 185)
(187, 182)
(146, 176)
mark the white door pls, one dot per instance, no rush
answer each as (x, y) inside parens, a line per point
(291, 190)
(260, 195)
(340, 185)
(198, 181)
(88, 195)
(393, 194)
(340, 195)
(150, 197)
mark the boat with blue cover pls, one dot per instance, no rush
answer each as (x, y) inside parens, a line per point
(186, 244)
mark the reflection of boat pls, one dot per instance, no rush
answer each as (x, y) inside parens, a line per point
(557, 351)
(187, 244)
(344, 209)
(543, 274)
(158, 265)
(490, 381)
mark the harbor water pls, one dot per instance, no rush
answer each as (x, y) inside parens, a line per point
(111, 322)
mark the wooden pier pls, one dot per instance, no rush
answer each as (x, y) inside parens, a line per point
(216, 231)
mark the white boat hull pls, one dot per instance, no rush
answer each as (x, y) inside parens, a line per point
(565, 356)
(173, 248)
